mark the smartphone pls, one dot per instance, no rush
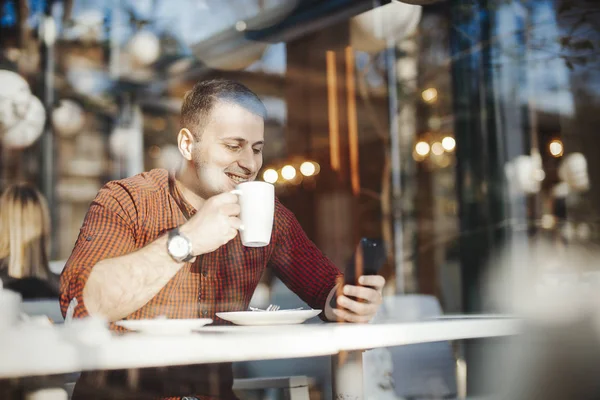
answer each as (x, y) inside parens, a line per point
(369, 256)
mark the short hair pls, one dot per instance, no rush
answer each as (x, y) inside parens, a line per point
(201, 99)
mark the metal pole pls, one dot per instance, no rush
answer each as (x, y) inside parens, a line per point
(48, 178)
(396, 164)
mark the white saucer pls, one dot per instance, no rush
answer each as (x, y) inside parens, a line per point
(164, 326)
(281, 317)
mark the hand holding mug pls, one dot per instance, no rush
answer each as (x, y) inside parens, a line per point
(214, 225)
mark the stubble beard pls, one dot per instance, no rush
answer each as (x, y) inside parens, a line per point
(204, 175)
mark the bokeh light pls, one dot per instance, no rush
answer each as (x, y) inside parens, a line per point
(288, 172)
(307, 168)
(449, 143)
(270, 175)
(240, 26)
(556, 148)
(422, 148)
(437, 148)
(430, 95)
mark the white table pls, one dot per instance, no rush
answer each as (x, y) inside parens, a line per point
(24, 354)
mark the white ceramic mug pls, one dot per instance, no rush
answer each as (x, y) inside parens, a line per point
(257, 201)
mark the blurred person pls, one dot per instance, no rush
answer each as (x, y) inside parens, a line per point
(122, 267)
(24, 243)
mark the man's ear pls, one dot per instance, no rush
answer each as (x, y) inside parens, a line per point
(185, 143)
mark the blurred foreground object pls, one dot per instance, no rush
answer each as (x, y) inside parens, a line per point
(525, 174)
(557, 291)
(22, 115)
(573, 173)
(371, 30)
(545, 280)
(558, 362)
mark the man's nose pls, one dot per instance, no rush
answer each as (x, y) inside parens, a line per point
(248, 161)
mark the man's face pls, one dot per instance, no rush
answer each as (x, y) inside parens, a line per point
(229, 151)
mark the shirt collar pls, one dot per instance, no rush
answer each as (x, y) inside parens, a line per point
(186, 208)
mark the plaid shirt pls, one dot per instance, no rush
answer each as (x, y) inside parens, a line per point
(128, 214)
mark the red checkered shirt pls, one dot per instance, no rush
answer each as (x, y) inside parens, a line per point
(128, 214)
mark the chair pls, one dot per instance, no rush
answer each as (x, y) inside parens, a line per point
(317, 368)
(294, 387)
(426, 370)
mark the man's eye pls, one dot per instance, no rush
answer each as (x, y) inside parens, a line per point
(232, 147)
(257, 151)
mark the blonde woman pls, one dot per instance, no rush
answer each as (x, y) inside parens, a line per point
(24, 240)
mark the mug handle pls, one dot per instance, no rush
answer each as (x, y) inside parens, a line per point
(239, 193)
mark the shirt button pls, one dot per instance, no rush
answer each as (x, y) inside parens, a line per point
(204, 273)
(204, 313)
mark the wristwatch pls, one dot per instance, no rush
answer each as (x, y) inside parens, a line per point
(179, 246)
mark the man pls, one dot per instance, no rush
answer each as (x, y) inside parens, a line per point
(124, 266)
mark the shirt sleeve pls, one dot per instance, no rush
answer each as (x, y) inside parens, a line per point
(108, 231)
(297, 261)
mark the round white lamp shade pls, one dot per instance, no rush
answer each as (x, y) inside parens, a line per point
(235, 60)
(418, 2)
(370, 31)
(28, 129)
(14, 99)
(120, 141)
(68, 118)
(144, 46)
(270, 13)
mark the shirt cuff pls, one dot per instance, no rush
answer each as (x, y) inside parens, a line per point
(330, 300)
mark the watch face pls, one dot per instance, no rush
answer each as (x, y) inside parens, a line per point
(179, 247)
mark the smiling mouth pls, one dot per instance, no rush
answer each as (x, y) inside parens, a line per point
(237, 179)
